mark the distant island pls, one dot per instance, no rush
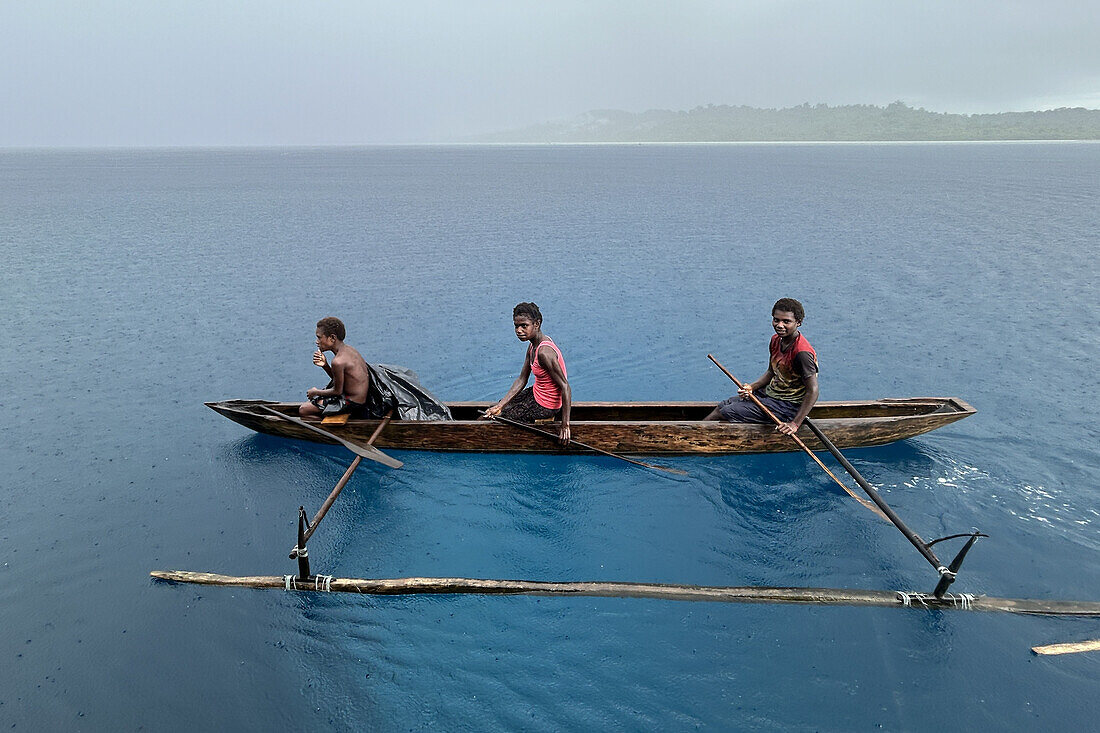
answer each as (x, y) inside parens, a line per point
(805, 123)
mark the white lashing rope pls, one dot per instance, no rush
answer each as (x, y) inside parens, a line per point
(964, 601)
(320, 582)
(908, 598)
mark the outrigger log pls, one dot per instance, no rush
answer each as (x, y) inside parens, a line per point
(720, 594)
(947, 572)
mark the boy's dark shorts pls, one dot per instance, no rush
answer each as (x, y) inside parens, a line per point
(736, 409)
(338, 406)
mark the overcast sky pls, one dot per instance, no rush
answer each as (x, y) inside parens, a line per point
(282, 72)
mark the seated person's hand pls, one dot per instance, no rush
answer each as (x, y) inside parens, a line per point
(312, 392)
(744, 392)
(787, 428)
(319, 358)
(491, 412)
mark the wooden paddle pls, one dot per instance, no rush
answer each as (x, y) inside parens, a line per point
(601, 451)
(342, 483)
(802, 445)
(365, 451)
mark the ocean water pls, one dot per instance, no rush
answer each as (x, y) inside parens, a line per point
(137, 284)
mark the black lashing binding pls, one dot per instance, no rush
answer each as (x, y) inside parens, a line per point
(947, 575)
(300, 552)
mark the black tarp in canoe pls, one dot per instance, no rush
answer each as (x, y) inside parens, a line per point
(397, 388)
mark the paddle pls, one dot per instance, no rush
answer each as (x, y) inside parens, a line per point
(802, 445)
(551, 436)
(342, 483)
(948, 572)
(365, 451)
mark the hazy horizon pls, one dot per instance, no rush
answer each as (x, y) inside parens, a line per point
(486, 139)
(284, 73)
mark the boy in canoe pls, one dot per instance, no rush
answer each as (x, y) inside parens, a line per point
(347, 390)
(550, 395)
(790, 384)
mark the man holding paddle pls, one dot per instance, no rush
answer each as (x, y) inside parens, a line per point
(790, 383)
(550, 396)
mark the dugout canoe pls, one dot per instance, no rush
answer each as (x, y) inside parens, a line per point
(640, 428)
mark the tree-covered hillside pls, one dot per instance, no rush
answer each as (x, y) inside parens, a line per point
(722, 123)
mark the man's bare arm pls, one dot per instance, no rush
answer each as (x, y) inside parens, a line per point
(548, 359)
(337, 387)
(319, 360)
(808, 402)
(756, 386)
(520, 383)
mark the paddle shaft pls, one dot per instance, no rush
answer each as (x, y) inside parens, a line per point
(802, 445)
(533, 429)
(342, 483)
(913, 537)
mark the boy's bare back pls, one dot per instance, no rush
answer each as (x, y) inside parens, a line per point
(356, 376)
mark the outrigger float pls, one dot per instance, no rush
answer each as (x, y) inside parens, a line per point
(275, 418)
(720, 594)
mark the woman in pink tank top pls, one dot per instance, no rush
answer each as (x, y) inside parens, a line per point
(550, 395)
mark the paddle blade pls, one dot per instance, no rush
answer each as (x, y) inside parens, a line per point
(1069, 648)
(371, 454)
(366, 451)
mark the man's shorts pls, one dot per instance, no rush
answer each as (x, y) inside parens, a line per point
(736, 409)
(338, 406)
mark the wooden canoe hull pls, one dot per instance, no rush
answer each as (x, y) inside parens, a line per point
(640, 428)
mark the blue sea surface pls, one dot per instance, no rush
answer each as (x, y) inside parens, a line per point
(139, 284)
